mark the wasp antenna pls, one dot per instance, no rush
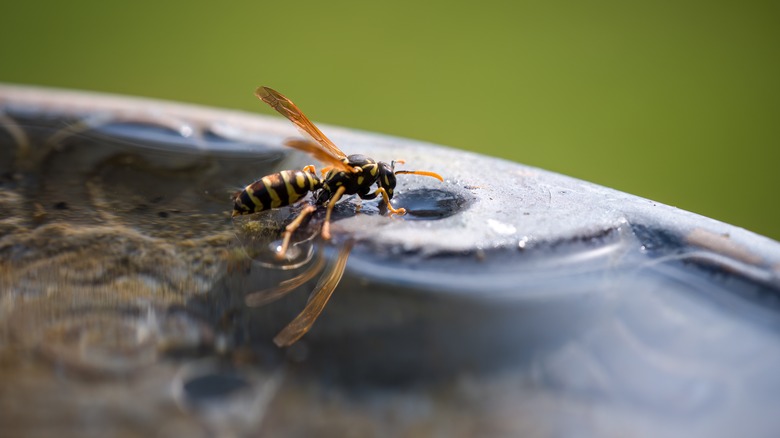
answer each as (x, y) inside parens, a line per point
(394, 162)
(420, 172)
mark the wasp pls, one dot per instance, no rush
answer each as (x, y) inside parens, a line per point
(343, 175)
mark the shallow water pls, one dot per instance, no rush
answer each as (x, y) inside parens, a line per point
(126, 305)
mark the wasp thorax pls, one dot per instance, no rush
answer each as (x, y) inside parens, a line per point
(359, 160)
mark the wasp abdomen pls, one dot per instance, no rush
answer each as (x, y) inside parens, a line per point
(275, 190)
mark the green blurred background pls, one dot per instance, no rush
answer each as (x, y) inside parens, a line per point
(674, 101)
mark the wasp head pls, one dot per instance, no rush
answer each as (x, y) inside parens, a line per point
(387, 177)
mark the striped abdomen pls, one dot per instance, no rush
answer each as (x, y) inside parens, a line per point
(276, 190)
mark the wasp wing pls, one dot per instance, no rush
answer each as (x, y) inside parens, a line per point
(317, 301)
(317, 152)
(265, 296)
(287, 108)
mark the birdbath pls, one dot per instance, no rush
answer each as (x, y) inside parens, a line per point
(507, 301)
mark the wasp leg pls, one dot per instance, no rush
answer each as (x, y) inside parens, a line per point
(316, 303)
(368, 196)
(291, 227)
(325, 170)
(310, 169)
(326, 226)
(393, 210)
